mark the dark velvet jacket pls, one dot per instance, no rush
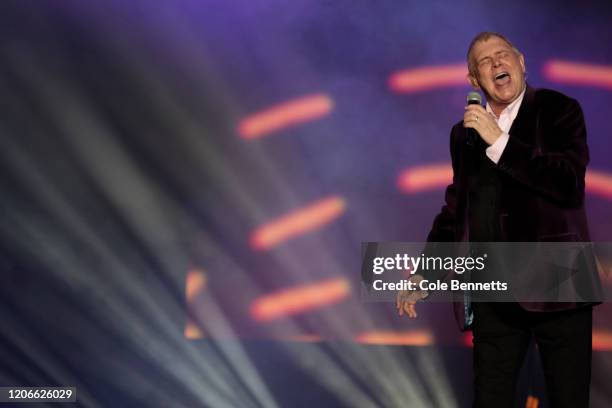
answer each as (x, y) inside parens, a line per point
(541, 177)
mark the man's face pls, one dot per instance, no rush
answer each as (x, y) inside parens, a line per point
(500, 71)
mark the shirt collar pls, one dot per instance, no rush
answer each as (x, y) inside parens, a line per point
(511, 109)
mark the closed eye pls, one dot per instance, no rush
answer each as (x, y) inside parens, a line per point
(503, 54)
(484, 61)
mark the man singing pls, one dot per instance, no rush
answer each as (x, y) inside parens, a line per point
(520, 180)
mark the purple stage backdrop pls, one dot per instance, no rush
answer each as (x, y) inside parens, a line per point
(183, 179)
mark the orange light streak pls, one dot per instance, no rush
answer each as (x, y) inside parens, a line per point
(532, 402)
(284, 115)
(194, 285)
(425, 178)
(192, 331)
(568, 72)
(428, 77)
(435, 176)
(299, 299)
(599, 183)
(298, 222)
(394, 338)
(602, 340)
(196, 281)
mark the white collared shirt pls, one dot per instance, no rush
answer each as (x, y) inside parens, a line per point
(504, 121)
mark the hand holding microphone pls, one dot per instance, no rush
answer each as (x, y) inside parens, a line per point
(477, 118)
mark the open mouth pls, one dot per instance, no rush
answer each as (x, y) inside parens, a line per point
(502, 78)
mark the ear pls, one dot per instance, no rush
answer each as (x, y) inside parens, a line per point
(522, 62)
(473, 81)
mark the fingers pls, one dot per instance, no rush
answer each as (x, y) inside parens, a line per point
(485, 124)
(473, 111)
(410, 309)
(405, 301)
(473, 117)
(470, 124)
(476, 109)
(407, 307)
(470, 119)
(399, 304)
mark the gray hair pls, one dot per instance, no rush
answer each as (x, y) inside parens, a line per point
(484, 36)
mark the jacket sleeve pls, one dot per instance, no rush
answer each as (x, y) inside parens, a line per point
(443, 229)
(556, 169)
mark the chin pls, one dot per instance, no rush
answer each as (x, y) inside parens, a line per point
(508, 97)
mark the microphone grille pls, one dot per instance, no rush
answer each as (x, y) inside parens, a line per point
(473, 98)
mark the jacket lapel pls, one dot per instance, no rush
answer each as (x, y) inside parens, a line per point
(524, 125)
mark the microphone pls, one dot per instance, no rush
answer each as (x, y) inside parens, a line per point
(473, 98)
